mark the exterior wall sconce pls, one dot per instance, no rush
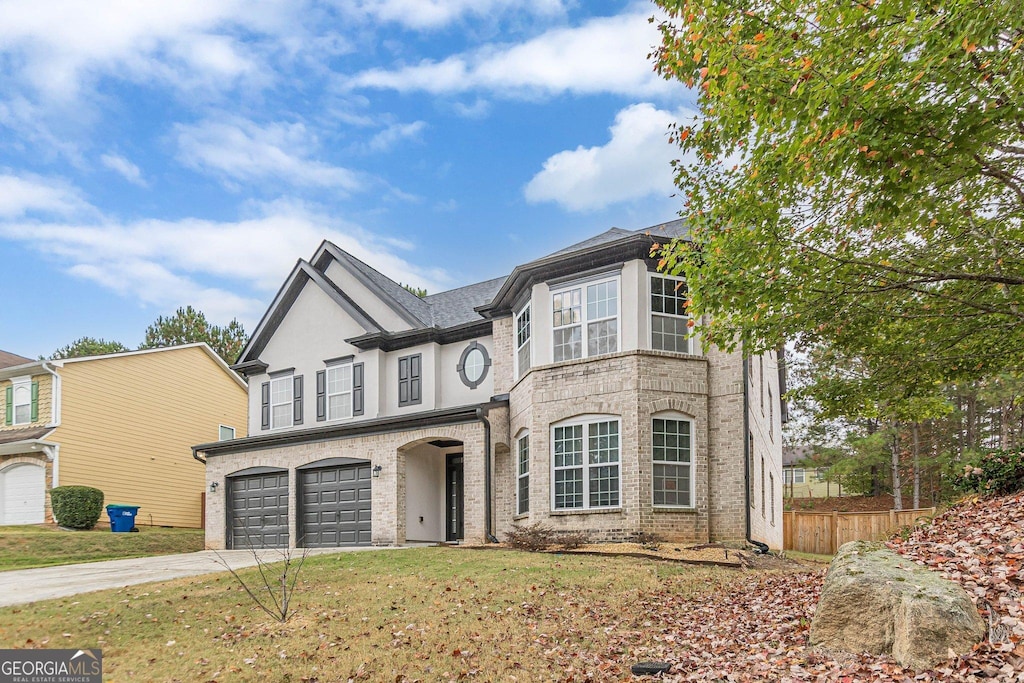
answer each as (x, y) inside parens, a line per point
(213, 486)
(376, 471)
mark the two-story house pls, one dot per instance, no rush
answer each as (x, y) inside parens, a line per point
(123, 423)
(570, 392)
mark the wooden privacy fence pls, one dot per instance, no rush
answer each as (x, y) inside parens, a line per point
(822, 533)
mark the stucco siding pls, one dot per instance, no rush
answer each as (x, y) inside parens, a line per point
(128, 424)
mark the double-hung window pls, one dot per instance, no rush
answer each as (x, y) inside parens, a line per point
(281, 402)
(586, 465)
(672, 454)
(670, 325)
(585, 320)
(339, 391)
(22, 398)
(523, 475)
(523, 333)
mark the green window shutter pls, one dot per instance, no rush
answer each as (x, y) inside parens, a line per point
(10, 406)
(35, 401)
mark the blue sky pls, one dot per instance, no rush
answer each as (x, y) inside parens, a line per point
(161, 154)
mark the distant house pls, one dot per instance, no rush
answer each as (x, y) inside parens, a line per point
(801, 479)
(122, 423)
(568, 393)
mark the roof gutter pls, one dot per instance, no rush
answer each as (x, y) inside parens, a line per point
(761, 548)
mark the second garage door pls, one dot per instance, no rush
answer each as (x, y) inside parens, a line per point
(334, 506)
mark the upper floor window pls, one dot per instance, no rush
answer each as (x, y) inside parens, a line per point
(281, 402)
(670, 325)
(473, 365)
(586, 318)
(226, 433)
(22, 401)
(586, 465)
(523, 475)
(771, 416)
(410, 380)
(672, 453)
(523, 333)
(339, 391)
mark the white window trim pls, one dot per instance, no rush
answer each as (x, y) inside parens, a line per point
(351, 391)
(678, 417)
(290, 380)
(582, 285)
(651, 314)
(520, 475)
(799, 476)
(585, 421)
(21, 383)
(515, 337)
(234, 432)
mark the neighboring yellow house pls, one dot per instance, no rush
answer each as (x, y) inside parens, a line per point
(124, 423)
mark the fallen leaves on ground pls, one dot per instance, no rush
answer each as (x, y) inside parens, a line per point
(758, 629)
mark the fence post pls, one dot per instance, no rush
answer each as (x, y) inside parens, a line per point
(834, 536)
(892, 521)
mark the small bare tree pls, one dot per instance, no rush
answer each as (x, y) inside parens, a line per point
(275, 595)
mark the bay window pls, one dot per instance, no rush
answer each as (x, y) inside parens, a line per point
(585, 462)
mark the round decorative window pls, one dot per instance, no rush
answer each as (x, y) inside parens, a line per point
(473, 365)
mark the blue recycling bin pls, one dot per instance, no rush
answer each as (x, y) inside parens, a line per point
(122, 517)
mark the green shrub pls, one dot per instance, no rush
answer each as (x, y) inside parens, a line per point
(994, 472)
(76, 507)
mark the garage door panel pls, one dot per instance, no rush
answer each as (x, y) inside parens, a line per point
(259, 511)
(335, 506)
(23, 494)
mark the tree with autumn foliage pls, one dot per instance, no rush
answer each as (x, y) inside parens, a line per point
(855, 178)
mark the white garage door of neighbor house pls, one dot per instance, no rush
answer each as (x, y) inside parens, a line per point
(22, 494)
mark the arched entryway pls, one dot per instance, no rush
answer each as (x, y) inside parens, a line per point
(435, 490)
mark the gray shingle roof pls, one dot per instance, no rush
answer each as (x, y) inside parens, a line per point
(407, 299)
(455, 306)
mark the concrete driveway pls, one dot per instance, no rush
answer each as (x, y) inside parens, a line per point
(29, 585)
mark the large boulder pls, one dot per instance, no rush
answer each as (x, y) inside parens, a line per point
(877, 601)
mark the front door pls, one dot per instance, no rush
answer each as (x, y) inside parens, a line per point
(454, 498)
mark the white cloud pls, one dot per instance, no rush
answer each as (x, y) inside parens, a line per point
(237, 149)
(32, 194)
(604, 55)
(119, 164)
(395, 133)
(423, 14)
(635, 163)
(61, 46)
(225, 268)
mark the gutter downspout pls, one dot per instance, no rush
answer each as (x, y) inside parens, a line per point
(480, 415)
(54, 394)
(760, 548)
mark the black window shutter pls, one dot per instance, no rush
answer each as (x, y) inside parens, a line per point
(403, 381)
(265, 405)
(297, 401)
(415, 376)
(357, 389)
(321, 395)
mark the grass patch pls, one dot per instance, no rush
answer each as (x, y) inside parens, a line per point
(24, 547)
(401, 615)
(808, 557)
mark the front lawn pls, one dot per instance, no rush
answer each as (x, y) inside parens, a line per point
(23, 547)
(421, 614)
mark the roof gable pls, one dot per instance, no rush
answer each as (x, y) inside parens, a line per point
(407, 305)
(302, 274)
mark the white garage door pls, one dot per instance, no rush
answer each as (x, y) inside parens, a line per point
(22, 494)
